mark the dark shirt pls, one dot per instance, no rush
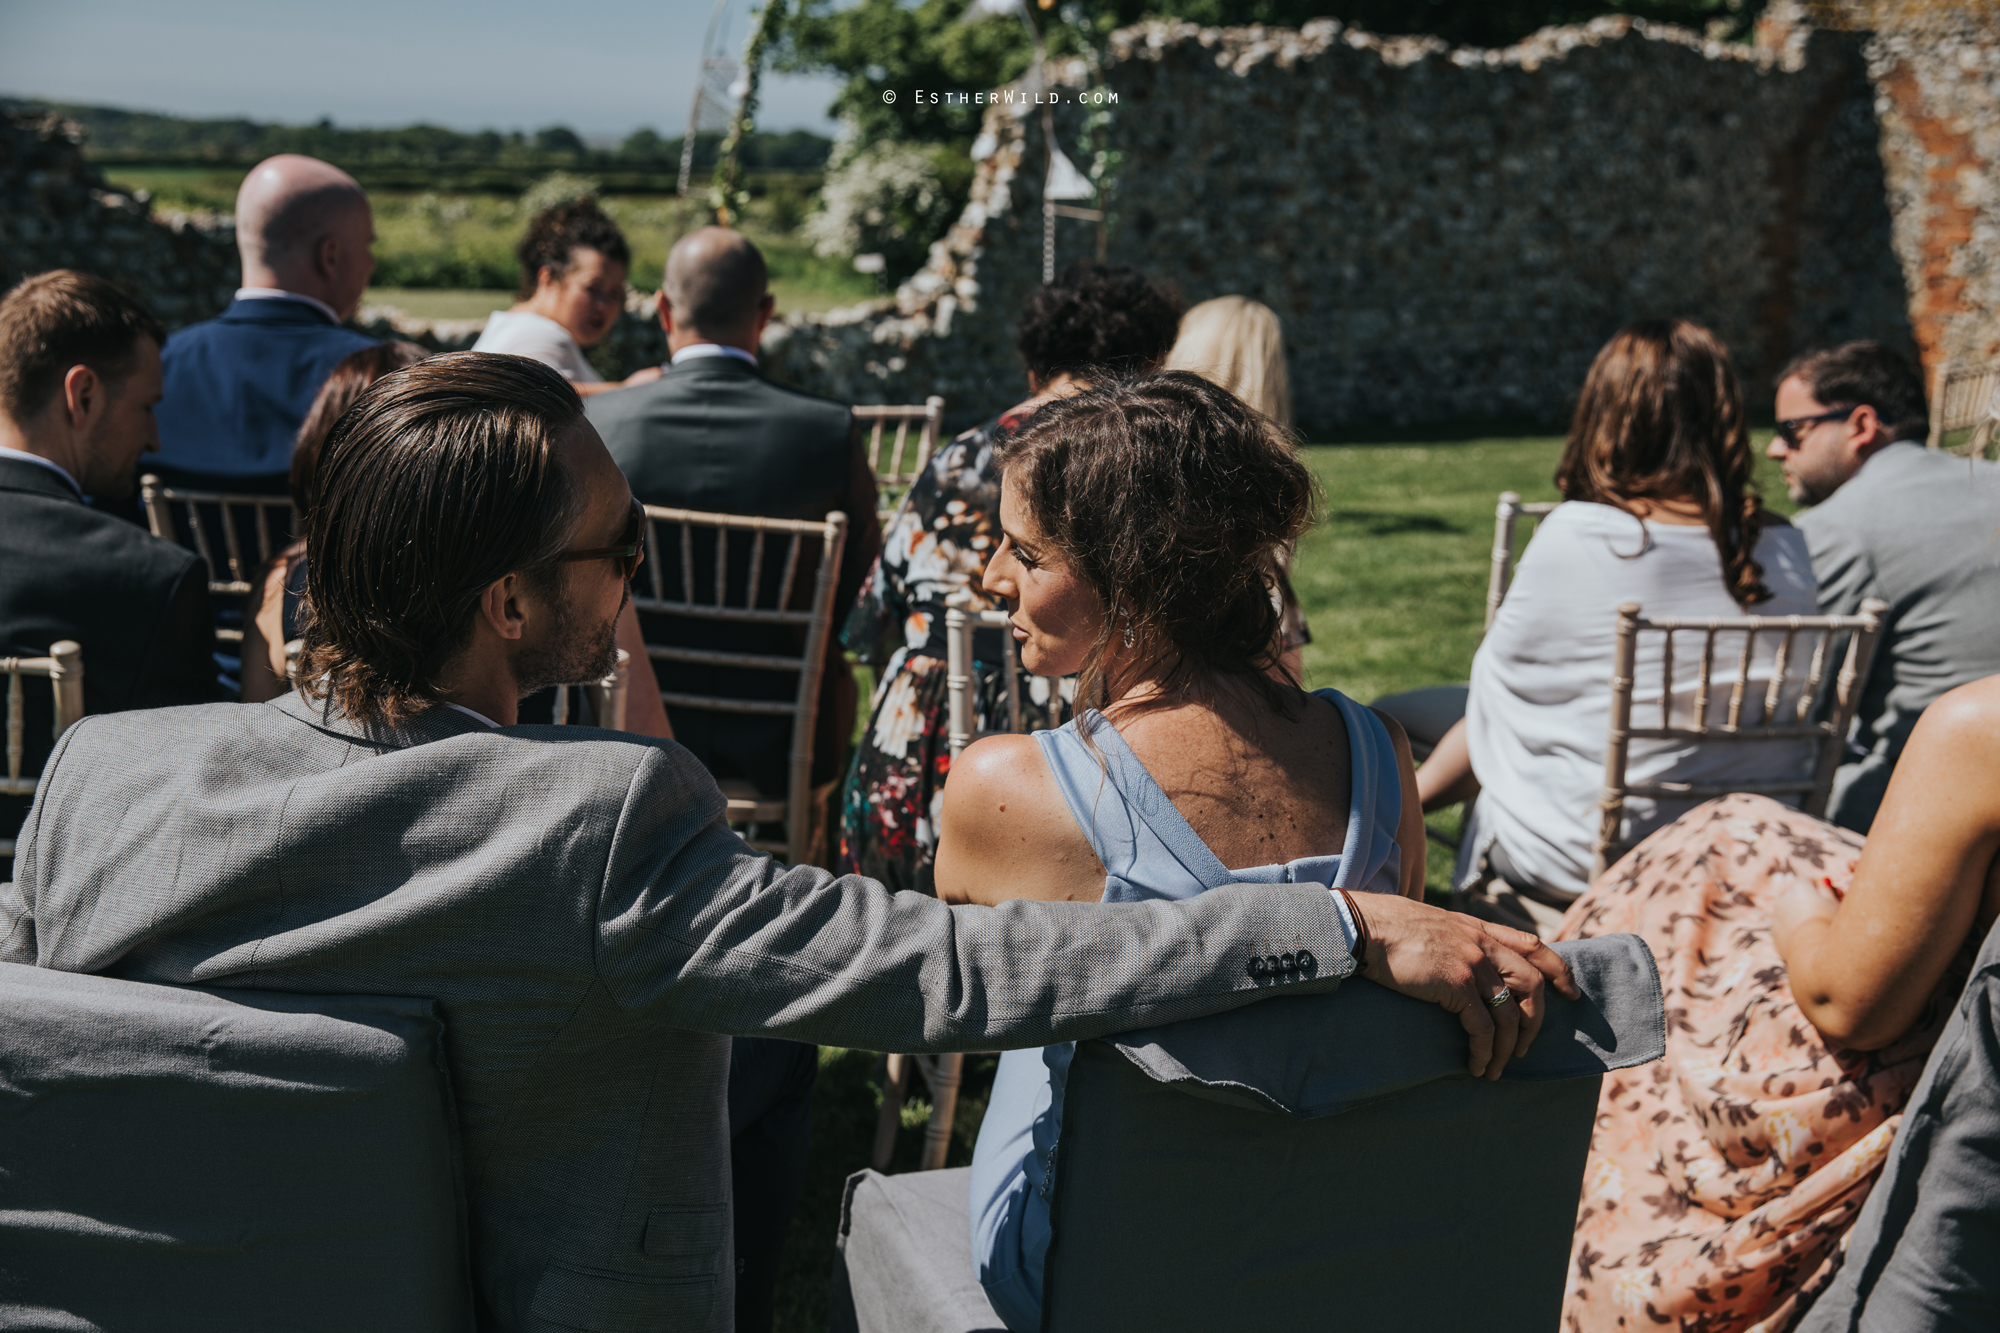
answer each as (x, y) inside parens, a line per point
(137, 605)
(713, 434)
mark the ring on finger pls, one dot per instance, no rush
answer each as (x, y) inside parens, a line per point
(1499, 997)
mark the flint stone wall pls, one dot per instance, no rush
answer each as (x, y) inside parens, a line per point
(1449, 234)
(57, 212)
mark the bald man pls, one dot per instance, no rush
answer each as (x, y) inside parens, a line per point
(713, 434)
(238, 386)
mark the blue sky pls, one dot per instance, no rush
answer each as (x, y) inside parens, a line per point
(603, 67)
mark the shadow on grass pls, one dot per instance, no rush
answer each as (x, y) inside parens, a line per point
(1390, 525)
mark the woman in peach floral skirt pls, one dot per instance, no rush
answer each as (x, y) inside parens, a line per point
(1805, 980)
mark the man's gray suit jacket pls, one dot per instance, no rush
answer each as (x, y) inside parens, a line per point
(592, 931)
(1920, 529)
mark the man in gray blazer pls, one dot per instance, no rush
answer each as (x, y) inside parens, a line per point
(571, 898)
(1892, 519)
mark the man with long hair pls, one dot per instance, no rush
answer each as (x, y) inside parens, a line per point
(574, 900)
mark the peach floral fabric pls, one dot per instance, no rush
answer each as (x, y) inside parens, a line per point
(1722, 1180)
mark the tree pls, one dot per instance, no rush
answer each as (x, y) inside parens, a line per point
(558, 139)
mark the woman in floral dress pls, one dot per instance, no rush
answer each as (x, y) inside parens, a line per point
(1095, 321)
(1806, 978)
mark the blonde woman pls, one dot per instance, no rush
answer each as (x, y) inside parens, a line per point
(1237, 343)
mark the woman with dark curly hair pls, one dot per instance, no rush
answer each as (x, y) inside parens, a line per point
(1141, 526)
(573, 264)
(1095, 322)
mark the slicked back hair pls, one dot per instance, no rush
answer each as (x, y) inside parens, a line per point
(441, 479)
(61, 319)
(1859, 374)
(1171, 498)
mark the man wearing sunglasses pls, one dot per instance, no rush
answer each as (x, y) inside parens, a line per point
(1919, 528)
(573, 900)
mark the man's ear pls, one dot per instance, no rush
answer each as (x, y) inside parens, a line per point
(326, 255)
(1867, 425)
(500, 607)
(666, 314)
(83, 395)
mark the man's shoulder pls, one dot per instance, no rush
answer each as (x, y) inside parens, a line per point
(1902, 498)
(85, 534)
(237, 334)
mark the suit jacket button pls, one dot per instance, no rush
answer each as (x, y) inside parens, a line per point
(1257, 968)
(1290, 963)
(1308, 964)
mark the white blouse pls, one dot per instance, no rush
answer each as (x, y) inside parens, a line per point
(1540, 702)
(524, 333)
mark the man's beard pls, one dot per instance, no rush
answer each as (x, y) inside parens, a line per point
(573, 654)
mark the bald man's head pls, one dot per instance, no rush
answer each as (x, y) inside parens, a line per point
(304, 225)
(715, 283)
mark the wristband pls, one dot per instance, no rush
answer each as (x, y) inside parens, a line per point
(1359, 946)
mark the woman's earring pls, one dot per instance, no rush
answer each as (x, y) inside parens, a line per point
(1127, 613)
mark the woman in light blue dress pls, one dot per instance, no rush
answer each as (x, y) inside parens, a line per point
(1140, 529)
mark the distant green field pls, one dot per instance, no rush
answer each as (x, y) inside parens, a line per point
(460, 245)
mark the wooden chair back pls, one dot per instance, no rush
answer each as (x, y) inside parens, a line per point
(199, 519)
(1506, 516)
(64, 669)
(768, 553)
(1769, 710)
(898, 460)
(1967, 397)
(606, 696)
(941, 1073)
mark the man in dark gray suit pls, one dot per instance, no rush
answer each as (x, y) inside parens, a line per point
(713, 434)
(1890, 519)
(573, 899)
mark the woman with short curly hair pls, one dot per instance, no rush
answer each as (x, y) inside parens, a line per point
(573, 265)
(1140, 526)
(1095, 323)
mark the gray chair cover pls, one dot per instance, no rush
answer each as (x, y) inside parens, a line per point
(903, 1257)
(221, 1160)
(1924, 1255)
(1324, 1161)
(1360, 1180)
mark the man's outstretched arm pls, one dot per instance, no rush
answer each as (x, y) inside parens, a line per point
(713, 937)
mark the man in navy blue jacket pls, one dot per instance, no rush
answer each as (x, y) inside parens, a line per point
(239, 385)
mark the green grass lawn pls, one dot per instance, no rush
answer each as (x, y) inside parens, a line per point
(1393, 581)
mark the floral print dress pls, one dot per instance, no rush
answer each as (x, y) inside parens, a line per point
(938, 544)
(1723, 1179)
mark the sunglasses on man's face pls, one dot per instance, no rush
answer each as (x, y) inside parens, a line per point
(1793, 429)
(630, 553)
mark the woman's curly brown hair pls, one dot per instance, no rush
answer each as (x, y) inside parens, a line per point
(1171, 499)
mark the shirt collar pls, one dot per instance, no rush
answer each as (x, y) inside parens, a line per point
(280, 294)
(694, 351)
(57, 468)
(476, 717)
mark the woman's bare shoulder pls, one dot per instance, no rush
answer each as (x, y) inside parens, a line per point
(1005, 831)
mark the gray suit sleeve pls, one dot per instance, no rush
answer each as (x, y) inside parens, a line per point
(710, 936)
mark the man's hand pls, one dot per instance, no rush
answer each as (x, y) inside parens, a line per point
(1459, 962)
